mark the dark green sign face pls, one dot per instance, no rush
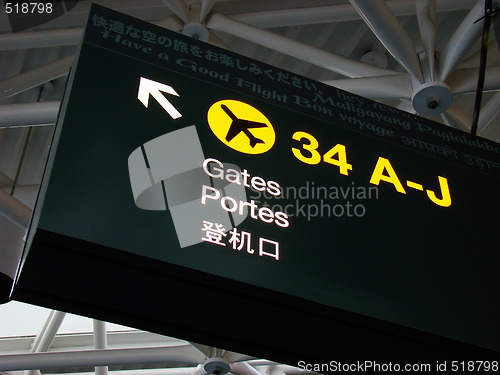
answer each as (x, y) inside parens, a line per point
(191, 155)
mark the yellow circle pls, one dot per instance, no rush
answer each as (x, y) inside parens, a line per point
(241, 126)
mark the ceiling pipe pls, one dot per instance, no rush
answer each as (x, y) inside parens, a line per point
(303, 51)
(107, 357)
(29, 114)
(35, 77)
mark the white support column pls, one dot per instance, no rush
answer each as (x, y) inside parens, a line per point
(107, 357)
(313, 55)
(44, 339)
(100, 342)
(28, 114)
(35, 77)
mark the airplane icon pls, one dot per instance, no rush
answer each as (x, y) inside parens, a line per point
(240, 125)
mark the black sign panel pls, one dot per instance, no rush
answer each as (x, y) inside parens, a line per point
(185, 173)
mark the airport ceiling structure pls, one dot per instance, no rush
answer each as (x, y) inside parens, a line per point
(421, 56)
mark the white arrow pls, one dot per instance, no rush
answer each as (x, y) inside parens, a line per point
(147, 86)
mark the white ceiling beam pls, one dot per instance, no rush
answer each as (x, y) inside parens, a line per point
(236, 357)
(38, 39)
(316, 56)
(172, 23)
(273, 18)
(205, 349)
(14, 210)
(464, 38)
(472, 61)
(377, 88)
(384, 24)
(35, 77)
(407, 106)
(426, 17)
(455, 118)
(179, 8)
(106, 357)
(206, 7)
(29, 114)
(488, 114)
(243, 368)
(336, 13)
(464, 81)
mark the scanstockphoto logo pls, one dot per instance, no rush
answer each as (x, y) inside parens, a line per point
(312, 201)
(24, 15)
(168, 173)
